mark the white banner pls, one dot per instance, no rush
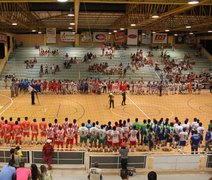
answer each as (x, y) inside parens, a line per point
(132, 37)
(99, 36)
(146, 37)
(159, 38)
(51, 35)
(66, 36)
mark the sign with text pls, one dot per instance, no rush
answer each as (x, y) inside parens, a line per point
(119, 37)
(132, 37)
(99, 36)
(51, 35)
(3, 37)
(66, 36)
(160, 38)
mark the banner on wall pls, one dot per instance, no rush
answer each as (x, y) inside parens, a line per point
(3, 37)
(180, 39)
(51, 35)
(66, 36)
(86, 37)
(99, 36)
(132, 37)
(160, 38)
(119, 37)
(146, 37)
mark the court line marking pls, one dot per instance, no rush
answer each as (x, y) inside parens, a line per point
(11, 102)
(138, 107)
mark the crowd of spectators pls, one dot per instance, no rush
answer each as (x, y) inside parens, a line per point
(48, 52)
(68, 62)
(45, 69)
(89, 56)
(98, 67)
(30, 63)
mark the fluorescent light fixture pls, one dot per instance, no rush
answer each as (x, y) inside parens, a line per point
(122, 29)
(191, 33)
(175, 34)
(167, 30)
(62, 0)
(110, 33)
(114, 31)
(188, 27)
(153, 32)
(210, 31)
(72, 24)
(39, 32)
(33, 30)
(193, 1)
(132, 24)
(143, 34)
(155, 16)
(14, 24)
(70, 28)
(70, 15)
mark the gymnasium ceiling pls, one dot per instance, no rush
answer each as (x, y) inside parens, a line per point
(105, 15)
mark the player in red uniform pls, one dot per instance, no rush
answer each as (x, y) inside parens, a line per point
(12, 124)
(26, 128)
(70, 133)
(60, 137)
(75, 127)
(1, 129)
(6, 131)
(55, 126)
(17, 133)
(50, 132)
(42, 127)
(34, 130)
(65, 124)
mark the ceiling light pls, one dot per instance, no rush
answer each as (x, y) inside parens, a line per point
(70, 28)
(132, 24)
(62, 0)
(193, 1)
(72, 24)
(143, 34)
(175, 34)
(110, 33)
(167, 30)
(39, 32)
(153, 32)
(210, 31)
(188, 27)
(191, 33)
(122, 29)
(14, 24)
(33, 30)
(71, 14)
(155, 15)
(114, 31)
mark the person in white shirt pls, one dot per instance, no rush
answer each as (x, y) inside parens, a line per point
(115, 139)
(186, 125)
(94, 135)
(83, 132)
(183, 137)
(200, 131)
(194, 126)
(133, 137)
(102, 136)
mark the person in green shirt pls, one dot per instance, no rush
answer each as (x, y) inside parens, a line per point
(210, 125)
(138, 128)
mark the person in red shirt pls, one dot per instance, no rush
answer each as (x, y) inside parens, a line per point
(12, 124)
(75, 127)
(1, 130)
(7, 130)
(44, 86)
(55, 127)
(26, 129)
(34, 130)
(65, 124)
(42, 127)
(48, 153)
(50, 132)
(70, 133)
(17, 133)
(60, 137)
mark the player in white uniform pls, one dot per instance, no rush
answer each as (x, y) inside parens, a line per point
(83, 132)
(183, 137)
(200, 131)
(93, 135)
(69, 133)
(115, 139)
(133, 137)
(102, 137)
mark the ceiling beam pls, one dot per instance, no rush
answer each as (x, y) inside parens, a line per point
(76, 13)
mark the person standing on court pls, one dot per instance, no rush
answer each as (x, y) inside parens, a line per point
(111, 100)
(123, 98)
(33, 96)
(160, 87)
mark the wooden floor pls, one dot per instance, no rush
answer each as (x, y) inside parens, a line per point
(95, 107)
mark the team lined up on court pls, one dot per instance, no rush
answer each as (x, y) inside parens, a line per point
(154, 134)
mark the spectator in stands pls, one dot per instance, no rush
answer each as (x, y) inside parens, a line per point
(8, 171)
(23, 173)
(35, 172)
(45, 175)
(152, 175)
(48, 153)
(95, 173)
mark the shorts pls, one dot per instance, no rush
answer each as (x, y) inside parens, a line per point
(92, 139)
(102, 141)
(115, 144)
(182, 143)
(132, 143)
(83, 139)
(26, 134)
(109, 143)
(176, 138)
(34, 135)
(70, 141)
(18, 138)
(6, 138)
(59, 143)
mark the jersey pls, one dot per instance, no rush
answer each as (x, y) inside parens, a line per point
(70, 133)
(200, 130)
(126, 131)
(133, 134)
(26, 126)
(34, 128)
(75, 127)
(115, 136)
(65, 125)
(109, 135)
(94, 132)
(83, 131)
(60, 135)
(42, 127)
(50, 133)
(6, 130)
(102, 134)
(120, 130)
(55, 127)
(17, 130)
(183, 136)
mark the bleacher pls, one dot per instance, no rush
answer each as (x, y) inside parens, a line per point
(16, 65)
